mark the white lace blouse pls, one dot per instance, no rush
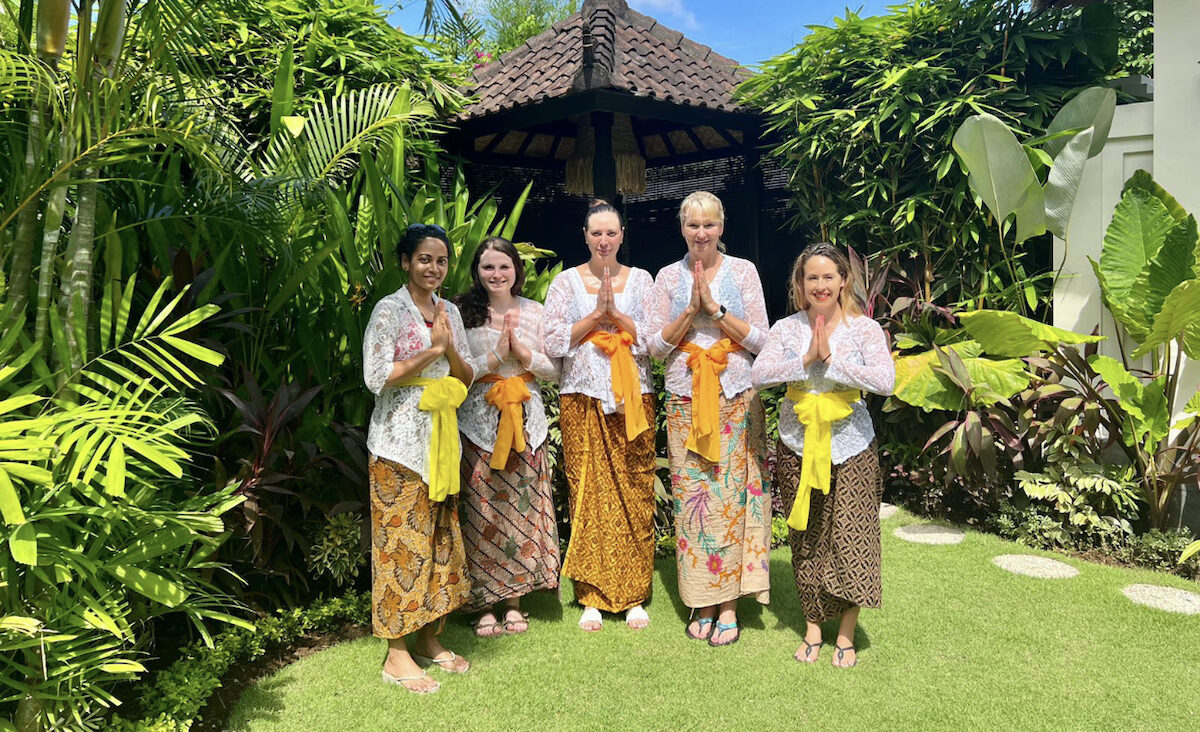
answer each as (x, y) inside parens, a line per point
(859, 359)
(736, 286)
(397, 332)
(585, 368)
(477, 419)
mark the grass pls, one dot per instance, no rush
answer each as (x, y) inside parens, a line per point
(959, 644)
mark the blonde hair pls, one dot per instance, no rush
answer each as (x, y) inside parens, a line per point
(846, 298)
(704, 202)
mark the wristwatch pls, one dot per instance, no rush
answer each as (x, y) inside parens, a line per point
(720, 313)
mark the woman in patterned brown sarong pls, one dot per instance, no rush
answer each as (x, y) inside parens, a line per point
(828, 353)
(595, 317)
(411, 363)
(508, 505)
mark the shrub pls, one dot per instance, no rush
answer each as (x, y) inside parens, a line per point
(337, 549)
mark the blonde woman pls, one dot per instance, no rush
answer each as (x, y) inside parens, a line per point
(595, 320)
(828, 353)
(713, 320)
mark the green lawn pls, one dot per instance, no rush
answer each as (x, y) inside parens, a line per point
(959, 644)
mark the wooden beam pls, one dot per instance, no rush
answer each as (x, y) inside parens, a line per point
(607, 100)
(754, 199)
(696, 140)
(604, 166)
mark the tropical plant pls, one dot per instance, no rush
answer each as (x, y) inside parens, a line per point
(510, 23)
(862, 115)
(103, 531)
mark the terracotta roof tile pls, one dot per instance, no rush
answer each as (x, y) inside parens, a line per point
(628, 51)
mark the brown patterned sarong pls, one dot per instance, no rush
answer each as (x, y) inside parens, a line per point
(837, 560)
(722, 510)
(418, 562)
(508, 524)
(611, 554)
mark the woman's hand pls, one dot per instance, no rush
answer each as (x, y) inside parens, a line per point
(515, 346)
(707, 303)
(504, 342)
(440, 334)
(815, 352)
(696, 302)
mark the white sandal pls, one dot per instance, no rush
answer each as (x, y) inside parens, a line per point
(634, 614)
(399, 681)
(591, 615)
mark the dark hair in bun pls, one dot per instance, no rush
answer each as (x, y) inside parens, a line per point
(417, 233)
(599, 205)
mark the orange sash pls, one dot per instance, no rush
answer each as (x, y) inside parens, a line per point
(626, 386)
(507, 395)
(706, 365)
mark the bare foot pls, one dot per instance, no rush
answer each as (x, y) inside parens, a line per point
(431, 648)
(809, 651)
(591, 620)
(399, 668)
(701, 627)
(845, 656)
(636, 617)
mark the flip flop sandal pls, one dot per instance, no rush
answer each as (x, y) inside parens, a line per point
(492, 626)
(523, 619)
(703, 623)
(841, 652)
(720, 628)
(442, 663)
(399, 681)
(808, 647)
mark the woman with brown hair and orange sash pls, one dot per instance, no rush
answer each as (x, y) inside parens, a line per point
(595, 321)
(711, 319)
(508, 506)
(413, 362)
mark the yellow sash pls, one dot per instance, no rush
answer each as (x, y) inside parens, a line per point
(817, 412)
(707, 365)
(626, 386)
(508, 396)
(441, 397)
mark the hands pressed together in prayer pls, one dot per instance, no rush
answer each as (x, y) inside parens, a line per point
(508, 342)
(439, 335)
(818, 346)
(606, 302)
(702, 300)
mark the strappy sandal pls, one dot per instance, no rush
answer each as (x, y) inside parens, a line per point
(442, 663)
(841, 652)
(399, 681)
(522, 618)
(703, 623)
(722, 627)
(808, 647)
(494, 627)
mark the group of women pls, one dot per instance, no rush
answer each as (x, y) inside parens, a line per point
(461, 506)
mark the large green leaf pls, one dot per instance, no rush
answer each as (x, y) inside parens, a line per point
(919, 381)
(1139, 227)
(999, 169)
(1146, 404)
(1092, 107)
(1143, 181)
(1169, 267)
(1063, 182)
(1004, 333)
(1179, 318)
(23, 544)
(154, 586)
(10, 502)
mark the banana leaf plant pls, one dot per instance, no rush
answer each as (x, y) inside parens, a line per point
(1029, 188)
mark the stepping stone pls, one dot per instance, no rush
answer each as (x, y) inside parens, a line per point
(930, 534)
(1033, 566)
(1169, 599)
(886, 511)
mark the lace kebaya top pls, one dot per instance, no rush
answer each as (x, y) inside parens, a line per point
(585, 368)
(859, 359)
(736, 286)
(477, 420)
(396, 332)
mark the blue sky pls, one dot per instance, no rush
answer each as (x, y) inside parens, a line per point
(749, 31)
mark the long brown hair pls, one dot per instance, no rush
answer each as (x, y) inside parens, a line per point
(473, 304)
(846, 298)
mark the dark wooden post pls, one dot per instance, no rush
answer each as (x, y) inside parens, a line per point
(754, 201)
(604, 169)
